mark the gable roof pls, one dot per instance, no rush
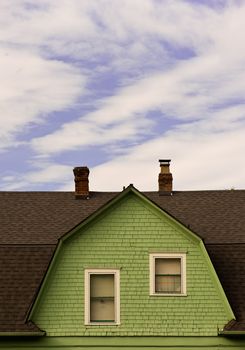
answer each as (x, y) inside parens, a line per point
(32, 222)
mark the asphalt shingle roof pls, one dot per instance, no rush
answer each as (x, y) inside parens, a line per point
(43, 217)
(32, 222)
(21, 272)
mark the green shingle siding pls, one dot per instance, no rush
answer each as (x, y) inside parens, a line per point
(122, 238)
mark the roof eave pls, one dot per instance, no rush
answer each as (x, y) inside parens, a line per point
(232, 333)
(22, 334)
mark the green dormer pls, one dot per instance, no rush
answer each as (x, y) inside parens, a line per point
(131, 269)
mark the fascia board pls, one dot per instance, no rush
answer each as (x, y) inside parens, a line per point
(232, 333)
(22, 334)
(180, 342)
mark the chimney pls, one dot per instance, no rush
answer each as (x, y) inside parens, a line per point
(165, 179)
(81, 182)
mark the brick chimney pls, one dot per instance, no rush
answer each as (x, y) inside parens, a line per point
(165, 179)
(81, 182)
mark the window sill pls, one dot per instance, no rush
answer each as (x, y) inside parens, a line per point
(102, 324)
(168, 295)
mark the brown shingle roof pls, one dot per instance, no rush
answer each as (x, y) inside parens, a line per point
(32, 222)
(21, 272)
(229, 262)
(43, 217)
(216, 216)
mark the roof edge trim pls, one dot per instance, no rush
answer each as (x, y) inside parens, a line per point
(22, 334)
(231, 333)
(43, 283)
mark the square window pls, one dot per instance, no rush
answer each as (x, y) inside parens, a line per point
(102, 297)
(167, 274)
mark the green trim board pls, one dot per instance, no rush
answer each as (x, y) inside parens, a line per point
(126, 343)
(22, 334)
(43, 283)
(157, 211)
(232, 333)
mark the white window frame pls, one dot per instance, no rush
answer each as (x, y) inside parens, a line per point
(88, 273)
(182, 258)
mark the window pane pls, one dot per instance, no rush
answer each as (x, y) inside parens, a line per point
(168, 284)
(102, 310)
(102, 305)
(101, 285)
(168, 266)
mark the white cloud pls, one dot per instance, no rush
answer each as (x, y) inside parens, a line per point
(33, 87)
(199, 161)
(49, 21)
(89, 133)
(42, 173)
(190, 91)
(86, 28)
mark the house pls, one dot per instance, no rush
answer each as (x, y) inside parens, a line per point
(128, 270)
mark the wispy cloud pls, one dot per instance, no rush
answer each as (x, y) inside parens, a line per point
(42, 173)
(199, 89)
(180, 60)
(32, 88)
(202, 160)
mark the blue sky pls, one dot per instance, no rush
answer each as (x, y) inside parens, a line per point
(117, 85)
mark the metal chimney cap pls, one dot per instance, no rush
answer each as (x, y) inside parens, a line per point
(164, 161)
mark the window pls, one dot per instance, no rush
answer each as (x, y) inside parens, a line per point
(102, 304)
(167, 274)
